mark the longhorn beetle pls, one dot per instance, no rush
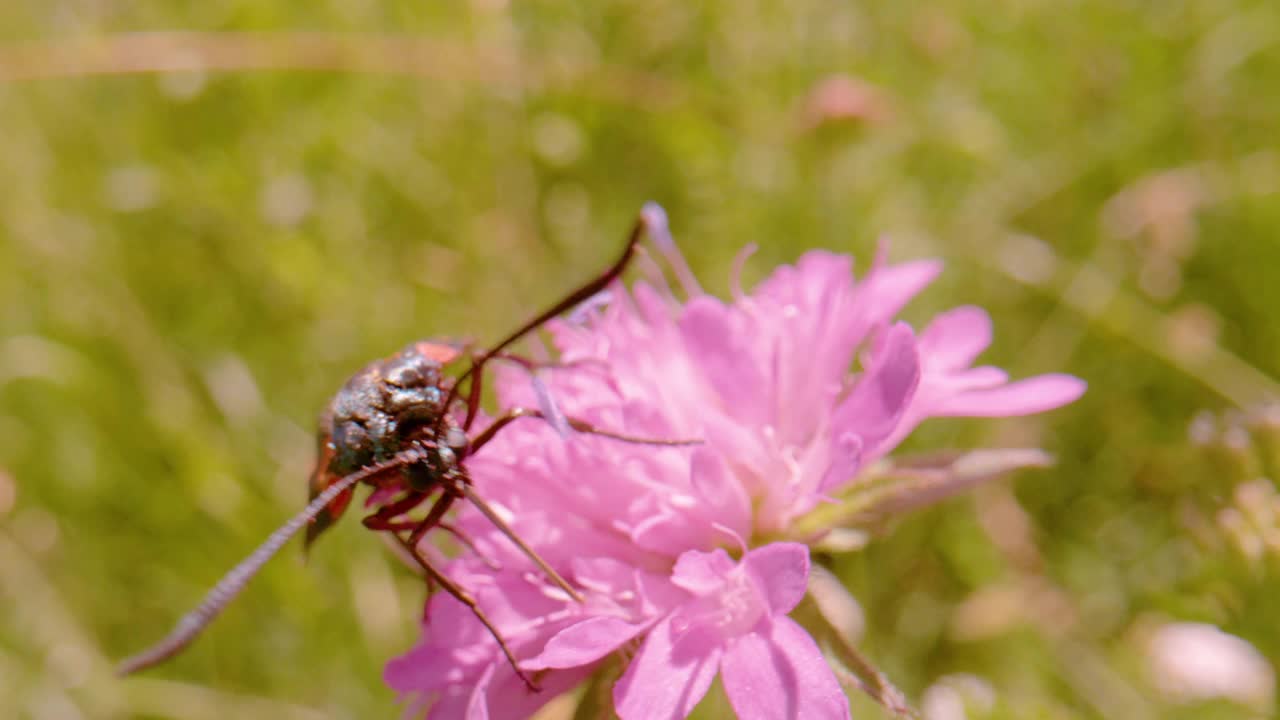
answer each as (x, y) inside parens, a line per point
(401, 425)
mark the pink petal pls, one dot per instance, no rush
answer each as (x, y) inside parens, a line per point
(723, 355)
(668, 677)
(477, 706)
(817, 263)
(1025, 397)
(955, 338)
(882, 395)
(652, 304)
(666, 532)
(978, 378)
(843, 461)
(422, 668)
(452, 703)
(455, 645)
(656, 594)
(584, 643)
(724, 498)
(816, 270)
(702, 572)
(888, 288)
(781, 571)
(435, 661)
(731, 439)
(502, 695)
(604, 574)
(778, 673)
(824, 278)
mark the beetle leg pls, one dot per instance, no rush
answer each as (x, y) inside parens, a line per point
(433, 518)
(384, 520)
(532, 365)
(384, 517)
(473, 397)
(577, 424)
(464, 597)
(479, 503)
(465, 540)
(396, 549)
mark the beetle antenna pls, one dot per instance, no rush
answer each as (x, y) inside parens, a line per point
(231, 584)
(583, 293)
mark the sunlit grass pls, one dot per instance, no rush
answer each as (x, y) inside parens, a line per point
(210, 216)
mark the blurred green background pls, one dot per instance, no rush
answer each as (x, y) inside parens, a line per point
(211, 214)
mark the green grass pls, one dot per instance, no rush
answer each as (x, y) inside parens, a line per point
(190, 264)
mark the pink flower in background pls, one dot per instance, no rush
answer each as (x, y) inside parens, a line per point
(766, 382)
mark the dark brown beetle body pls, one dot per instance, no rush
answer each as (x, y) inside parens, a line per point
(384, 408)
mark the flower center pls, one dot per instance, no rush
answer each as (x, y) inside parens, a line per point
(732, 610)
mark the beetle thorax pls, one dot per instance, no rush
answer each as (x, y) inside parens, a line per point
(387, 406)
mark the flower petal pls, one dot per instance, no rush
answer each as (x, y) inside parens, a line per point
(778, 673)
(502, 695)
(584, 643)
(477, 706)
(724, 357)
(886, 288)
(669, 532)
(781, 571)
(668, 677)
(724, 499)
(804, 283)
(955, 338)
(878, 402)
(1025, 397)
(702, 572)
(844, 458)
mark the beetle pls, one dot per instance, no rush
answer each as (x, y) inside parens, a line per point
(403, 426)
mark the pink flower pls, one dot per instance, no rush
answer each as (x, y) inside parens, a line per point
(765, 382)
(735, 622)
